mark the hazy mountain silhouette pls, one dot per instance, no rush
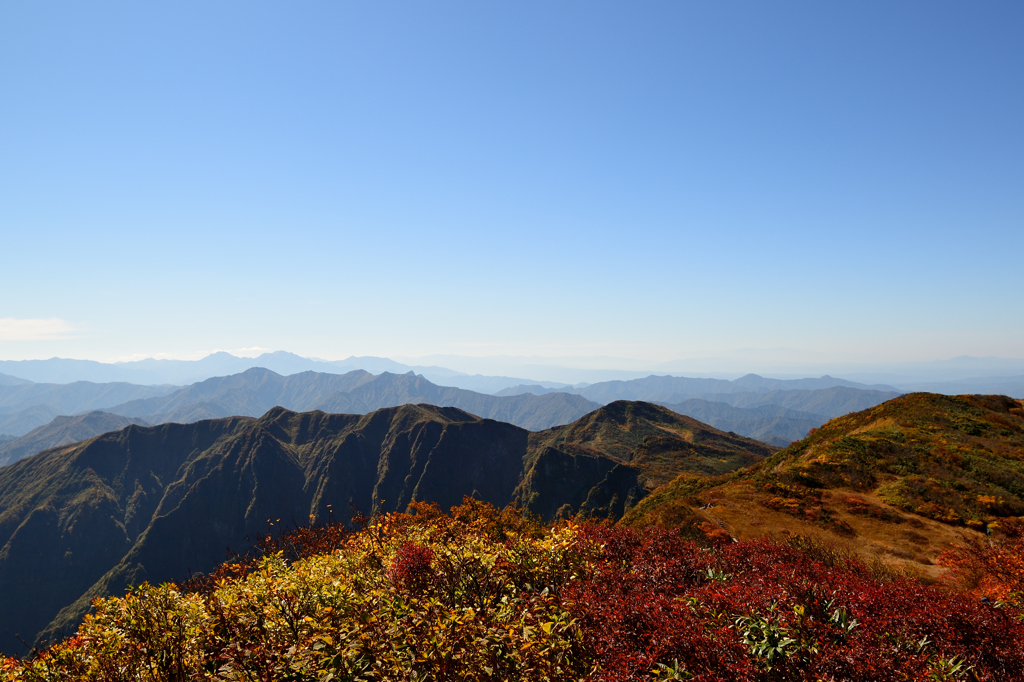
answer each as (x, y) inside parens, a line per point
(676, 389)
(827, 402)
(63, 431)
(21, 422)
(255, 391)
(25, 406)
(769, 423)
(151, 371)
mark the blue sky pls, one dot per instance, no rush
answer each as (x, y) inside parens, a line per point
(647, 181)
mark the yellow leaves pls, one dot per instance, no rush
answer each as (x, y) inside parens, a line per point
(337, 615)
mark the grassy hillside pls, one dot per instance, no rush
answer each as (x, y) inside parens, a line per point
(899, 481)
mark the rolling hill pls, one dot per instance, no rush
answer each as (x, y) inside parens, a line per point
(898, 482)
(154, 503)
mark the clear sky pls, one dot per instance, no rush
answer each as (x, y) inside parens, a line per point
(651, 181)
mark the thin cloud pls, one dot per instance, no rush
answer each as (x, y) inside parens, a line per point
(34, 329)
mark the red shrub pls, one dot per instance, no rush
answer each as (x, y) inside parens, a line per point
(768, 611)
(411, 568)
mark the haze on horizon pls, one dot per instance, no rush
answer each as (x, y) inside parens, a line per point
(767, 185)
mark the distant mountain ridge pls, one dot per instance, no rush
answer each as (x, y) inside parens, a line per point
(181, 372)
(255, 391)
(776, 411)
(770, 423)
(63, 431)
(154, 503)
(25, 406)
(666, 387)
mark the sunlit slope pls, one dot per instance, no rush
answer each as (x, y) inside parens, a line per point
(899, 481)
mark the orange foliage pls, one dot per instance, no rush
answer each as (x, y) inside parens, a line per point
(990, 567)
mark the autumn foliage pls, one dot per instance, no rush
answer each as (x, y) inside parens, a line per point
(486, 594)
(991, 568)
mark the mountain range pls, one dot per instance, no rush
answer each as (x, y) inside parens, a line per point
(255, 391)
(492, 375)
(156, 503)
(63, 430)
(25, 406)
(897, 482)
(774, 411)
(771, 423)
(152, 371)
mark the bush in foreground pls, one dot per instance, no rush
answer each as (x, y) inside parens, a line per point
(483, 594)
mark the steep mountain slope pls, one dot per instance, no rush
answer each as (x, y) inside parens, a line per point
(255, 391)
(899, 481)
(647, 444)
(155, 503)
(654, 439)
(63, 431)
(771, 424)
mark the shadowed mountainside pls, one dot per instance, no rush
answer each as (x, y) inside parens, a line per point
(899, 481)
(649, 443)
(654, 439)
(153, 503)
